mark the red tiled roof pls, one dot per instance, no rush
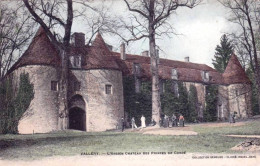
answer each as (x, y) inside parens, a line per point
(187, 71)
(234, 72)
(98, 56)
(40, 52)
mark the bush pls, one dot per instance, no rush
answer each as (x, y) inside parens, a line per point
(14, 105)
(137, 104)
(210, 114)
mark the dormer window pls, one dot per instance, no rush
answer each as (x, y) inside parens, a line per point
(137, 69)
(75, 61)
(205, 76)
(174, 74)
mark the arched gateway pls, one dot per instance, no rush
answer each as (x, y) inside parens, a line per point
(77, 113)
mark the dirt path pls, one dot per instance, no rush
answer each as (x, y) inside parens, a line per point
(187, 130)
(140, 160)
(171, 131)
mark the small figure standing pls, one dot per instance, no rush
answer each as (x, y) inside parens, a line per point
(174, 120)
(143, 125)
(165, 121)
(181, 120)
(133, 123)
(123, 123)
(153, 122)
(232, 118)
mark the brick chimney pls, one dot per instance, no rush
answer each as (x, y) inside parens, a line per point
(145, 53)
(122, 51)
(78, 39)
(187, 59)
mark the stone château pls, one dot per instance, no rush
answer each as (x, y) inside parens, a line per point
(96, 100)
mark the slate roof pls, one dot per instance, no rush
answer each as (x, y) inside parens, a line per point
(98, 56)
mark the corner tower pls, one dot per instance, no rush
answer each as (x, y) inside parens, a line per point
(238, 88)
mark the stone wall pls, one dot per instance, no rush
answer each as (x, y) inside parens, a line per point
(41, 116)
(103, 111)
(201, 91)
(223, 103)
(240, 100)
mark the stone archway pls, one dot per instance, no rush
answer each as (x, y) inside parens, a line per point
(77, 113)
(77, 119)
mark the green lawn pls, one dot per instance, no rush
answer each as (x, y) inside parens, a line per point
(209, 139)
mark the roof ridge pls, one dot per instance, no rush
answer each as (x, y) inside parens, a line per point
(171, 60)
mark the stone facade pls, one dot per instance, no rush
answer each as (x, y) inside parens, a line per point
(223, 103)
(201, 91)
(103, 111)
(95, 91)
(239, 95)
(42, 114)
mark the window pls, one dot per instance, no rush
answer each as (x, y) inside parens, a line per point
(174, 74)
(108, 89)
(175, 88)
(54, 85)
(137, 85)
(162, 86)
(205, 76)
(76, 86)
(75, 61)
(236, 91)
(137, 69)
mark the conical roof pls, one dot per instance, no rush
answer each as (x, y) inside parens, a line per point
(99, 42)
(99, 56)
(40, 52)
(234, 72)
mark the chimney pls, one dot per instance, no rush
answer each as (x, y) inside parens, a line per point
(187, 59)
(122, 51)
(78, 39)
(145, 53)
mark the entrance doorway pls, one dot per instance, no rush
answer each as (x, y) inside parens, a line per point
(77, 113)
(77, 119)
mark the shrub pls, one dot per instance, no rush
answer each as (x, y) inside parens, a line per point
(14, 104)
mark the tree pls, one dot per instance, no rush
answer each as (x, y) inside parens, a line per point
(13, 105)
(193, 104)
(210, 113)
(246, 14)
(222, 54)
(50, 9)
(56, 18)
(15, 33)
(149, 20)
